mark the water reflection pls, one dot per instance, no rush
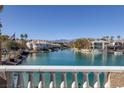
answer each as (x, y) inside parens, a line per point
(34, 56)
(99, 59)
(68, 57)
(104, 59)
(91, 59)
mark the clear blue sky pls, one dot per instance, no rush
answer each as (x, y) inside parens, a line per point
(63, 22)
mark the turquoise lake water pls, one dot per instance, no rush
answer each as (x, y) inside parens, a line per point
(71, 58)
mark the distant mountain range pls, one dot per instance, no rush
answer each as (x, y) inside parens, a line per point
(63, 41)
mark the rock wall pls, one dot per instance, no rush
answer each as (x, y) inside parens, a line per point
(116, 79)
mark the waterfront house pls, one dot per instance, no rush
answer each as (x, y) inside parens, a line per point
(116, 47)
(41, 44)
(99, 45)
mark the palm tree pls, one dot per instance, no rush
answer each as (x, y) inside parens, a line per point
(1, 8)
(118, 37)
(0, 46)
(25, 36)
(23, 39)
(22, 36)
(0, 27)
(107, 37)
(112, 38)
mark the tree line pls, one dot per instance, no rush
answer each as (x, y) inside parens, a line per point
(82, 43)
(9, 44)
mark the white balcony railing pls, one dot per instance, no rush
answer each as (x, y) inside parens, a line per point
(64, 69)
